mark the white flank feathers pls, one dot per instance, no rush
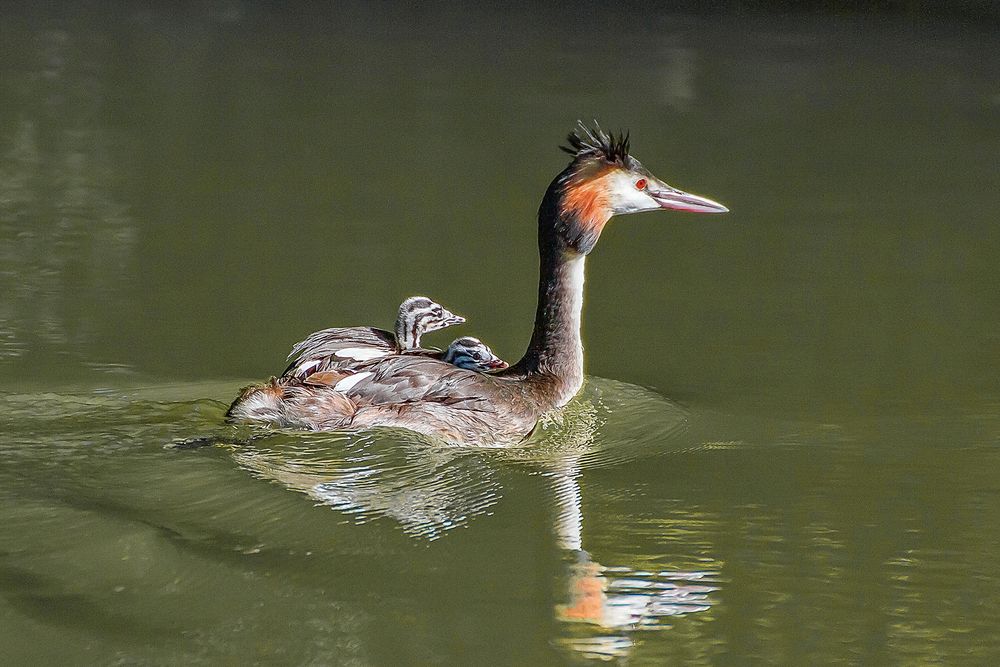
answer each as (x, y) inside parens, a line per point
(348, 382)
(360, 353)
(306, 367)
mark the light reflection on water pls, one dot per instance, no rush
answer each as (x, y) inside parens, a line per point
(426, 491)
(422, 487)
(69, 241)
(645, 542)
(615, 601)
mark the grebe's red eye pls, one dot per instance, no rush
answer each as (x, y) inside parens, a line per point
(640, 184)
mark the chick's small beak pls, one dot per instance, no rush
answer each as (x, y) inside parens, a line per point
(497, 364)
(451, 319)
(678, 200)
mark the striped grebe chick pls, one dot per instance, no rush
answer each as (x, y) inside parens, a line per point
(340, 346)
(419, 315)
(473, 354)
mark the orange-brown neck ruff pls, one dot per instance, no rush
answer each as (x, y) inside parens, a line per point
(586, 206)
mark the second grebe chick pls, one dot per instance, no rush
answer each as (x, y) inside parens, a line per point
(473, 354)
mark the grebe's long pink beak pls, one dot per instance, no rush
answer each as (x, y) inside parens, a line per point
(678, 200)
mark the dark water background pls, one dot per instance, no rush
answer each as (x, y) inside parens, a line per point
(787, 453)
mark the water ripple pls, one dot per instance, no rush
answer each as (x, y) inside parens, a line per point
(428, 489)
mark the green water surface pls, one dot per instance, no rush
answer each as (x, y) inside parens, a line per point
(787, 451)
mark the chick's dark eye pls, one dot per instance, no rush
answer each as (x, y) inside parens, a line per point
(640, 184)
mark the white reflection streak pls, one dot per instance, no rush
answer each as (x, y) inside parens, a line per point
(601, 610)
(569, 518)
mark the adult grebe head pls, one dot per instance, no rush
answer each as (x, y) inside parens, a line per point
(604, 180)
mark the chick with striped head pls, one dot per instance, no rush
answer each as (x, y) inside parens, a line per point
(419, 315)
(473, 354)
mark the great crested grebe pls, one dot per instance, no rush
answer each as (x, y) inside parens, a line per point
(339, 347)
(460, 406)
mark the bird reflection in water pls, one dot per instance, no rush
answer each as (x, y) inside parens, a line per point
(604, 605)
(428, 489)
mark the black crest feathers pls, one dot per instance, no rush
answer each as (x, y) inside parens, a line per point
(593, 142)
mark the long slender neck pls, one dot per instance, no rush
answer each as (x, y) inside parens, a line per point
(555, 349)
(555, 345)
